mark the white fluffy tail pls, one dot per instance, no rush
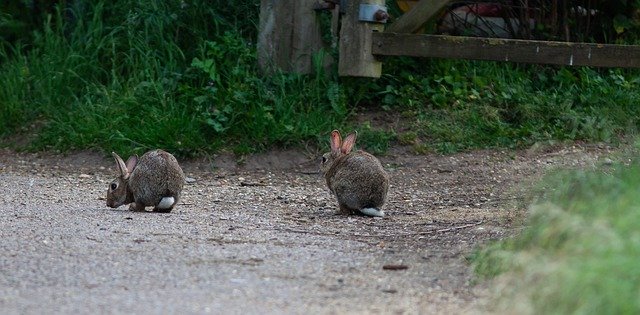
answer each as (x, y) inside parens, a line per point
(166, 203)
(372, 212)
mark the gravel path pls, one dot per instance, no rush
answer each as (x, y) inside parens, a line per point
(262, 239)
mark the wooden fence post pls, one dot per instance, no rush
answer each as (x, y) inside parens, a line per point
(289, 36)
(355, 43)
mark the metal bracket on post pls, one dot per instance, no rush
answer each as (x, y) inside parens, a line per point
(373, 13)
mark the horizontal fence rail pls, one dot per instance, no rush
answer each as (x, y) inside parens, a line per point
(498, 49)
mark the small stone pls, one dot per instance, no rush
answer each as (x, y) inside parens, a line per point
(190, 180)
(607, 161)
(83, 176)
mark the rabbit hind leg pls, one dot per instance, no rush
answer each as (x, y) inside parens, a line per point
(163, 210)
(136, 206)
(346, 210)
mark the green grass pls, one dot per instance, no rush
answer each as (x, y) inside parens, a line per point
(133, 75)
(579, 251)
(461, 105)
(140, 82)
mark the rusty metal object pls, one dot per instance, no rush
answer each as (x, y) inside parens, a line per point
(373, 13)
(381, 15)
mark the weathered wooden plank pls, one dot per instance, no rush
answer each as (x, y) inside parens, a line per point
(289, 36)
(528, 51)
(417, 16)
(355, 43)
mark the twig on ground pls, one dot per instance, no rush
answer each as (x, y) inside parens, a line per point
(362, 237)
(357, 238)
(395, 267)
(245, 184)
(306, 232)
(454, 228)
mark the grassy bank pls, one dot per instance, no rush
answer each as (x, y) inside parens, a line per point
(132, 75)
(466, 104)
(579, 251)
(160, 76)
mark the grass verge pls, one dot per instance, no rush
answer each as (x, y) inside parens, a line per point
(453, 105)
(129, 75)
(579, 251)
(133, 80)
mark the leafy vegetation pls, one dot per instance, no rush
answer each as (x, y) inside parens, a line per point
(460, 105)
(128, 84)
(131, 75)
(578, 253)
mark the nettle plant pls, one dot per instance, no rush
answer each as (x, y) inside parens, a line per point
(235, 100)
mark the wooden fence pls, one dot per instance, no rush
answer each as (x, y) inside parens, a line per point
(361, 43)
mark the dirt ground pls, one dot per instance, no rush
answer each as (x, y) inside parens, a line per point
(261, 237)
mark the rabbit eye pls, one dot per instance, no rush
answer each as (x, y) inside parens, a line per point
(114, 186)
(324, 159)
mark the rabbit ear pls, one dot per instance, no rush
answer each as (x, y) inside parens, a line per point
(348, 142)
(336, 141)
(122, 167)
(132, 162)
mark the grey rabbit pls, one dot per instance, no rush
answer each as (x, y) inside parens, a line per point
(155, 179)
(357, 179)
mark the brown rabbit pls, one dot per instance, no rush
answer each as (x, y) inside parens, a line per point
(357, 179)
(155, 179)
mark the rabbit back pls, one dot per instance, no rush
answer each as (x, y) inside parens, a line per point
(358, 180)
(156, 176)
